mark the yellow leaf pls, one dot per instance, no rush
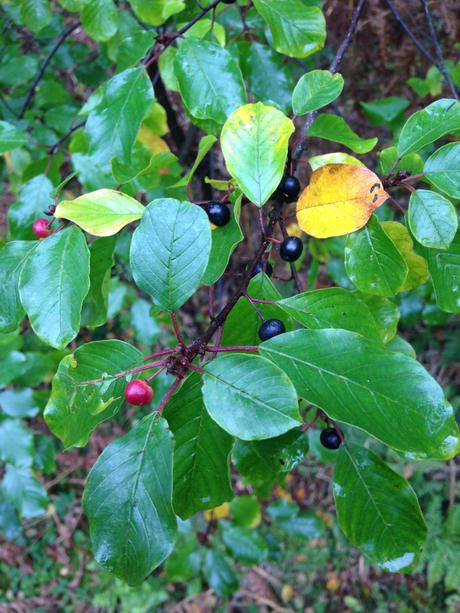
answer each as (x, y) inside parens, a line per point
(418, 268)
(218, 512)
(339, 199)
(151, 140)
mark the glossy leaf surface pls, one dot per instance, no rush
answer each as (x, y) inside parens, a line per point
(316, 89)
(12, 258)
(432, 219)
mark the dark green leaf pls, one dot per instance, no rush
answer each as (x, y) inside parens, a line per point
(373, 262)
(245, 544)
(443, 171)
(128, 501)
(113, 124)
(11, 137)
(378, 510)
(249, 397)
(316, 89)
(201, 452)
(334, 128)
(444, 268)
(432, 219)
(12, 258)
(332, 307)
(34, 198)
(224, 242)
(36, 14)
(53, 284)
(74, 409)
(429, 124)
(170, 251)
(297, 30)
(94, 312)
(210, 80)
(359, 382)
(219, 574)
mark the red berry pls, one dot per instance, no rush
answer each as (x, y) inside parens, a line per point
(40, 228)
(138, 392)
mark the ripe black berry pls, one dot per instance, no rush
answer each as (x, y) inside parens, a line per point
(219, 214)
(291, 249)
(330, 439)
(260, 268)
(290, 188)
(271, 328)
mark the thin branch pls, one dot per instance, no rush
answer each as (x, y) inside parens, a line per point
(52, 150)
(259, 313)
(120, 375)
(437, 46)
(409, 32)
(168, 395)
(158, 354)
(233, 348)
(302, 144)
(43, 67)
(177, 331)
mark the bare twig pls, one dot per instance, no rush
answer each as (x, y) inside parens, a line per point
(302, 144)
(168, 395)
(43, 67)
(437, 46)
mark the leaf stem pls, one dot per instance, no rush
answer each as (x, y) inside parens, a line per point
(120, 375)
(158, 354)
(168, 395)
(177, 331)
(233, 348)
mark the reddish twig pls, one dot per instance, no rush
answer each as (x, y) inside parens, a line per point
(168, 395)
(233, 348)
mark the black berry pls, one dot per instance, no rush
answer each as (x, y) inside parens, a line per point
(330, 439)
(291, 249)
(228, 1)
(271, 328)
(260, 268)
(290, 188)
(219, 214)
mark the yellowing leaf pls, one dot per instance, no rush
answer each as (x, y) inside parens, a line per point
(151, 140)
(339, 199)
(101, 213)
(220, 512)
(254, 142)
(418, 268)
(333, 158)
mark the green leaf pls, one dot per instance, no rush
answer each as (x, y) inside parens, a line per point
(11, 366)
(444, 267)
(378, 510)
(385, 110)
(316, 89)
(204, 146)
(416, 265)
(224, 241)
(260, 462)
(128, 501)
(373, 262)
(443, 171)
(147, 330)
(254, 142)
(201, 452)
(333, 307)
(359, 382)
(219, 574)
(432, 219)
(267, 76)
(429, 124)
(400, 345)
(75, 407)
(12, 258)
(209, 79)
(297, 30)
(245, 544)
(18, 403)
(246, 511)
(24, 491)
(53, 284)
(317, 161)
(94, 312)
(385, 313)
(335, 128)
(34, 197)
(133, 48)
(170, 251)
(411, 163)
(100, 19)
(242, 325)
(101, 213)
(16, 443)
(11, 137)
(157, 12)
(249, 397)
(114, 122)
(36, 14)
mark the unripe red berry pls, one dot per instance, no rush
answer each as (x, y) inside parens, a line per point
(40, 228)
(138, 392)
